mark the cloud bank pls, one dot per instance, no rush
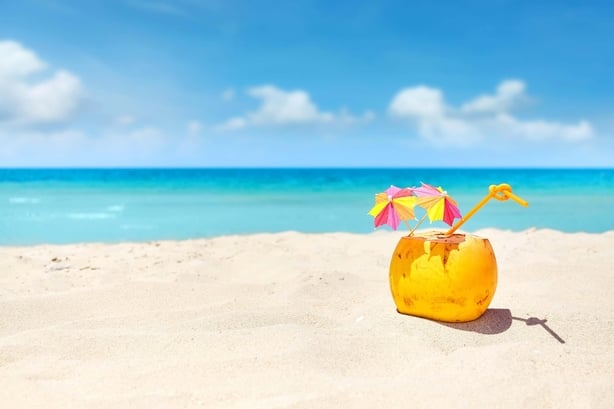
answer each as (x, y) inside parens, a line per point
(34, 96)
(282, 108)
(486, 116)
(26, 101)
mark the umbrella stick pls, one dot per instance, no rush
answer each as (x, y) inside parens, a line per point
(408, 225)
(418, 224)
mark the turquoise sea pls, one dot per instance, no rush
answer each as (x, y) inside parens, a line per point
(112, 205)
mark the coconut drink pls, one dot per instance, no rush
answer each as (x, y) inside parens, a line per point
(444, 276)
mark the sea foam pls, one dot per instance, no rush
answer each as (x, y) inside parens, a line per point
(24, 200)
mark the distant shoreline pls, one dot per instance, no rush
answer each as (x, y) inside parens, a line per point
(483, 232)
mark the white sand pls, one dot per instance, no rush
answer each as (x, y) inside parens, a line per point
(299, 321)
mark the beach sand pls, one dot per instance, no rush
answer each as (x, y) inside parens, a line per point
(295, 320)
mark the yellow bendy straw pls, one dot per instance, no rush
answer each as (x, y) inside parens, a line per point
(499, 192)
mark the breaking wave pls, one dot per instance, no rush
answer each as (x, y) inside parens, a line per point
(91, 216)
(24, 200)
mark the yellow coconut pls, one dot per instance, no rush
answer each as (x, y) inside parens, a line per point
(445, 278)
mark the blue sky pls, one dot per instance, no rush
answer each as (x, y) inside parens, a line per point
(306, 83)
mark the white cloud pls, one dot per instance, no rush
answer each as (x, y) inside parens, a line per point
(285, 107)
(17, 62)
(541, 130)
(194, 128)
(23, 101)
(124, 120)
(510, 94)
(77, 148)
(346, 118)
(23, 144)
(233, 124)
(484, 116)
(421, 102)
(147, 136)
(228, 94)
(426, 106)
(281, 108)
(32, 95)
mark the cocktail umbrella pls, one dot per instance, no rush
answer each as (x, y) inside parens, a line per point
(437, 203)
(392, 206)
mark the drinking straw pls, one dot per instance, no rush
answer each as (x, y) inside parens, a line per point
(499, 192)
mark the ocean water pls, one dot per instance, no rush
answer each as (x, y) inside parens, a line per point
(113, 205)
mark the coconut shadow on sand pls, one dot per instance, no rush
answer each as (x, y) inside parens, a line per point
(498, 320)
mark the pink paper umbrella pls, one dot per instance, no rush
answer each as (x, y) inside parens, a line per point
(438, 205)
(392, 206)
